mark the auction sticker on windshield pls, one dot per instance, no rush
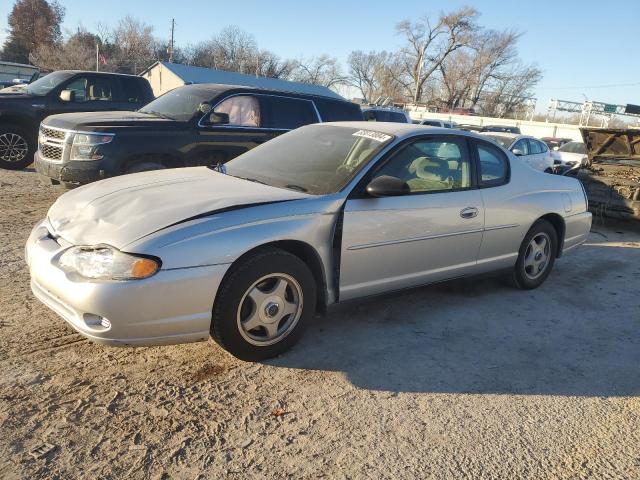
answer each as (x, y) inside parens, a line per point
(377, 136)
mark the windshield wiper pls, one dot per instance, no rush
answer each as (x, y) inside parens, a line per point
(157, 114)
(254, 180)
(296, 187)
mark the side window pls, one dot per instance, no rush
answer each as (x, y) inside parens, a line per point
(522, 145)
(290, 113)
(370, 116)
(79, 87)
(397, 117)
(132, 90)
(243, 110)
(431, 165)
(534, 147)
(100, 89)
(494, 168)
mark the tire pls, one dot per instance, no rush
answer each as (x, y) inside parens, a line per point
(236, 311)
(17, 147)
(533, 267)
(145, 167)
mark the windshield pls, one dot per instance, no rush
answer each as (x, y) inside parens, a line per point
(501, 140)
(180, 104)
(574, 147)
(316, 159)
(44, 85)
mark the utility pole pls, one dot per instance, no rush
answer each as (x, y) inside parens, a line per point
(173, 26)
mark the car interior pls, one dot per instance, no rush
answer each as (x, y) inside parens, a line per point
(430, 166)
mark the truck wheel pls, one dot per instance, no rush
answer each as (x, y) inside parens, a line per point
(16, 147)
(264, 305)
(536, 256)
(145, 167)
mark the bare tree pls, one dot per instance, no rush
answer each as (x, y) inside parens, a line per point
(321, 70)
(77, 53)
(375, 75)
(32, 23)
(429, 44)
(134, 44)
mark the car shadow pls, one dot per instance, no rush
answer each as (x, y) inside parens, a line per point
(578, 334)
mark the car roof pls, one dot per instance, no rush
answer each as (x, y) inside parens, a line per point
(401, 129)
(216, 88)
(98, 73)
(507, 135)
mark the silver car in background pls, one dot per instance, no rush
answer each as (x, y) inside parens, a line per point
(249, 252)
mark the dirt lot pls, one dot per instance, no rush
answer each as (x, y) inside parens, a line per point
(469, 379)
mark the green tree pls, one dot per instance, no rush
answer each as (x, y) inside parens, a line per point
(32, 23)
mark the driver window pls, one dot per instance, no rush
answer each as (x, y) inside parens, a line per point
(522, 145)
(243, 110)
(79, 87)
(430, 166)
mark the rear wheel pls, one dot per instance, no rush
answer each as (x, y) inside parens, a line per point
(16, 148)
(536, 256)
(264, 305)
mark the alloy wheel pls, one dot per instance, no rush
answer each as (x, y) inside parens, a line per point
(13, 147)
(270, 309)
(536, 257)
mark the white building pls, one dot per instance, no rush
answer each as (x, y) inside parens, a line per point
(164, 76)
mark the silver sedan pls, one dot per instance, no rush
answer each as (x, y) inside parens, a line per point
(249, 252)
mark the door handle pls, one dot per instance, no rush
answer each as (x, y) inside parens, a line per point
(469, 212)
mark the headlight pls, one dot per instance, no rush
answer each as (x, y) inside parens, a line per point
(107, 263)
(85, 145)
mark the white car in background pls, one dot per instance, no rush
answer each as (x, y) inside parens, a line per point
(530, 150)
(433, 122)
(571, 154)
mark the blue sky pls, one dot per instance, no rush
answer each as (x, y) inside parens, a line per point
(580, 45)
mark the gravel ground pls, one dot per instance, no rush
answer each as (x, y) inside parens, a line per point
(470, 379)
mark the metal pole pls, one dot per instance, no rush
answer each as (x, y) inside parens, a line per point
(173, 25)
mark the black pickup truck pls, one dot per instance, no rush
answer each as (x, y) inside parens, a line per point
(61, 92)
(194, 125)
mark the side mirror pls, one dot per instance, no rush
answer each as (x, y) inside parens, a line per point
(218, 118)
(387, 186)
(517, 152)
(68, 96)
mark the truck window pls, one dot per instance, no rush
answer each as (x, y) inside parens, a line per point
(132, 90)
(243, 110)
(290, 113)
(91, 88)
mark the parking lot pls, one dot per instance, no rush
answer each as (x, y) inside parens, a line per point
(466, 379)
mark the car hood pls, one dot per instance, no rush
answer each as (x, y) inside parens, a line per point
(123, 209)
(100, 121)
(568, 156)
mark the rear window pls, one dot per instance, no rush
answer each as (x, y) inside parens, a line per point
(494, 167)
(331, 111)
(132, 90)
(431, 123)
(535, 147)
(289, 113)
(397, 117)
(574, 147)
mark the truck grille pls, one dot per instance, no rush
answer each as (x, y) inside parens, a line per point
(52, 143)
(51, 152)
(51, 133)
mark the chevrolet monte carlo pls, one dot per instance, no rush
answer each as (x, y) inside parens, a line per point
(250, 251)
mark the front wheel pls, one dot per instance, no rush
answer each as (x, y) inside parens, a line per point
(264, 305)
(536, 256)
(16, 148)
